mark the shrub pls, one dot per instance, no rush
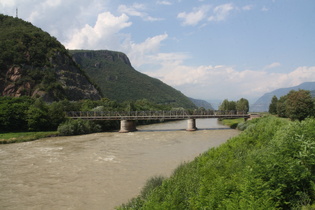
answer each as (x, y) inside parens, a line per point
(78, 127)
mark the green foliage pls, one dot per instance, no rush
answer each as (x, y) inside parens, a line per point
(13, 113)
(273, 105)
(78, 127)
(22, 43)
(242, 105)
(270, 165)
(299, 105)
(296, 105)
(119, 81)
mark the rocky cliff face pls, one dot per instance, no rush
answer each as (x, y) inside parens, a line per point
(32, 63)
(70, 81)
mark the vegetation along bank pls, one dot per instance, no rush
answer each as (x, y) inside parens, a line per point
(270, 165)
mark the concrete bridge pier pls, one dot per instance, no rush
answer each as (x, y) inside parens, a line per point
(127, 126)
(191, 125)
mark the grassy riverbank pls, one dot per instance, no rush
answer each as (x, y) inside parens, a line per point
(270, 165)
(7, 138)
(232, 123)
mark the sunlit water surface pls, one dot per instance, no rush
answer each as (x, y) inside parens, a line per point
(98, 171)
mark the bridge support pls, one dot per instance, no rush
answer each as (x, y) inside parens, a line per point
(191, 125)
(127, 126)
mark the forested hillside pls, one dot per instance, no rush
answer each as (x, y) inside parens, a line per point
(32, 63)
(118, 80)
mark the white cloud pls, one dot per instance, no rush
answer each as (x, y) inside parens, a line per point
(194, 17)
(103, 35)
(137, 10)
(264, 9)
(247, 7)
(164, 3)
(145, 52)
(272, 65)
(221, 12)
(220, 82)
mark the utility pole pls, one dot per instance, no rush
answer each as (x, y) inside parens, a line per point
(17, 13)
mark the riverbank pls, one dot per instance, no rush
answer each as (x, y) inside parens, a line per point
(270, 165)
(8, 138)
(232, 123)
(99, 170)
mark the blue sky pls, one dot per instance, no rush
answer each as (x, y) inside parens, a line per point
(211, 50)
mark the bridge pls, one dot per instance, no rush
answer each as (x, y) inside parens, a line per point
(128, 119)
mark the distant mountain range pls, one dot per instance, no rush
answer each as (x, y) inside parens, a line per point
(262, 104)
(202, 103)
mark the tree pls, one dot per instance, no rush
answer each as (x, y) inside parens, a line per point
(299, 105)
(281, 107)
(242, 105)
(38, 116)
(273, 105)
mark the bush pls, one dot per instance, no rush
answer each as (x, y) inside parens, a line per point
(78, 127)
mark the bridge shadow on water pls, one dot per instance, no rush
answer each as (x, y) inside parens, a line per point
(199, 129)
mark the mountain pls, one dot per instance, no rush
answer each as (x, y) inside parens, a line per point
(118, 80)
(33, 63)
(201, 103)
(262, 104)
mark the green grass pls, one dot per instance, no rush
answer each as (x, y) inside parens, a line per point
(232, 123)
(7, 138)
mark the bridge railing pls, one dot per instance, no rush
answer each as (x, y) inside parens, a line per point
(151, 115)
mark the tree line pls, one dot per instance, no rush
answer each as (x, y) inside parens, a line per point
(296, 105)
(29, 114)
(240, 105)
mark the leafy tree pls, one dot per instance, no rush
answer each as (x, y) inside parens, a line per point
(38, 116)
(273, 105)
(242, 105)
(13, 113)
(56, 115)
(281, 106)
(299, 105)
(227, 105)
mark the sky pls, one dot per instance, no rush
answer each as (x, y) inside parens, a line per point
(207, 49)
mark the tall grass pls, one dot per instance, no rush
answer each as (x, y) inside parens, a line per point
(270, 165)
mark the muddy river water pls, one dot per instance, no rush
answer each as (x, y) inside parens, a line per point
(98, 171)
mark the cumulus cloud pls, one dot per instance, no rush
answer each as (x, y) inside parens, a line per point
(103, 35)
(194, 17)
(205, 81)
(145, 52)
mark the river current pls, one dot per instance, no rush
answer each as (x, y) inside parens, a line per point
(99, 171)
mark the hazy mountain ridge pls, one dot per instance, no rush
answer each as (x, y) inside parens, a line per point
(262, 104)
(202, 103)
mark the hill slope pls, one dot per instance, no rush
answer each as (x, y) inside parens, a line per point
(202, 103)
(33, 63)
(118, 80)
(262, 104)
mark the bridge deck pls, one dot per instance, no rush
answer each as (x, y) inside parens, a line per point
(156, 115)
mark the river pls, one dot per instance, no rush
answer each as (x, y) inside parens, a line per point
(101, 170)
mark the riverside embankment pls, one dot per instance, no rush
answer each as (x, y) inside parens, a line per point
(98, 171)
